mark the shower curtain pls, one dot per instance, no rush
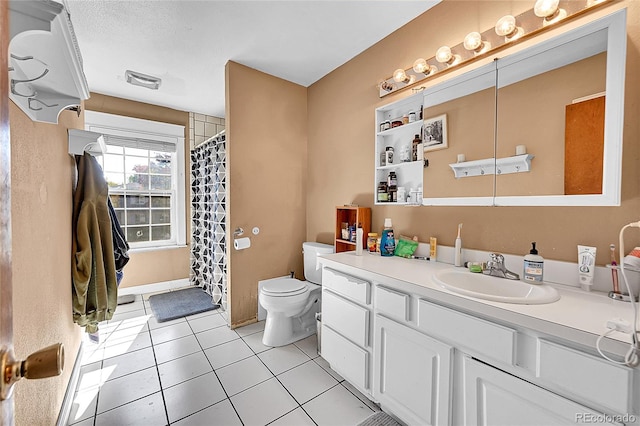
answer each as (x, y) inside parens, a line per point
(208, 219)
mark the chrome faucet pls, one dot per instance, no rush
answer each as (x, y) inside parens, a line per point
(496, 268)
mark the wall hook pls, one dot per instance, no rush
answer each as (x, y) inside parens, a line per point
(40, 102)
(14, 82)
(239, 231)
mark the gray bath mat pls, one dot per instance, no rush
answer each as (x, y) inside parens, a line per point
(379, 419)
(180, 303)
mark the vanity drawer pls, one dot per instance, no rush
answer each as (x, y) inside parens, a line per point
(585, 375)
(354, 288)
(466, 331)
(392, 303)
(345, 317)
(347, 359)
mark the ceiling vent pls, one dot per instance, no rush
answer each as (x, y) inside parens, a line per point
(142, 80)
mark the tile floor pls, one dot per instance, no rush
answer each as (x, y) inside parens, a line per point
(196, 371)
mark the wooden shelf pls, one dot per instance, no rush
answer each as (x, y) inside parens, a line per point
(352, 215)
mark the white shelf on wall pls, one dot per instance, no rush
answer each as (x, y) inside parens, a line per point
(81, 141)
(45, 65)
(490, 166)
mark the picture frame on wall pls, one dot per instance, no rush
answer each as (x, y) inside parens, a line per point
(434, 133)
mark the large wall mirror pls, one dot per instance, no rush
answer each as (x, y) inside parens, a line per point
(547, 130)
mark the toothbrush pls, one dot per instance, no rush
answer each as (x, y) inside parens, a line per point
(457, 259)
(614, 269)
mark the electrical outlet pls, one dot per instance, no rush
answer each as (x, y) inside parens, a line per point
(619, 324)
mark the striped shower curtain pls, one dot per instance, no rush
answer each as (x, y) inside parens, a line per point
(208, 219)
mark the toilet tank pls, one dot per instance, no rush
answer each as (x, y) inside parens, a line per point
(312, 271)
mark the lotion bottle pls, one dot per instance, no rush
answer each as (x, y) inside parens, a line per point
(359, 237)
(457, 257)
(533, 266)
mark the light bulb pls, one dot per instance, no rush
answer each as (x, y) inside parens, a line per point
(546, 8)
(473, 41)
(506, 26)
(443, 54)
(420, 65)
(400, 76)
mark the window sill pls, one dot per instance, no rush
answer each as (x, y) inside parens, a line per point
(147, 249)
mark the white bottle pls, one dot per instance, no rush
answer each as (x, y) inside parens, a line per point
(533, 266)
(457, 257)
(359, 237)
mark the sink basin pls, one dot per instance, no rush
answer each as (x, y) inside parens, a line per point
(494, 288)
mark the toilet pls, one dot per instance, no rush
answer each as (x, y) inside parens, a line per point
(291, 304)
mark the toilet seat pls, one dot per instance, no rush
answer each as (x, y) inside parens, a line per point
(284, 287)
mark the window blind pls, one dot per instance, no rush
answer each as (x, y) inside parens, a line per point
(139, 143)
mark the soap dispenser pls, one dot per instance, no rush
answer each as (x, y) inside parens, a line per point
(533, 266)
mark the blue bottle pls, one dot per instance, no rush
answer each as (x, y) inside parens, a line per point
(388, 241)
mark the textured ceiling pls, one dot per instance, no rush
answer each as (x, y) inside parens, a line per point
(187, 43)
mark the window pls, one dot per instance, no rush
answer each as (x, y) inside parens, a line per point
(144, 168)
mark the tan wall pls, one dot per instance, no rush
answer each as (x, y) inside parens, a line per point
(341, 143)
(266, 125)
(43, 176)
(147, 267)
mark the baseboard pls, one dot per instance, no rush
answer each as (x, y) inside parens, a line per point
(155, 287)
(67, 402)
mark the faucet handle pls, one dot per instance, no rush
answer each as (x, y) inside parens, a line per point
(497, 257)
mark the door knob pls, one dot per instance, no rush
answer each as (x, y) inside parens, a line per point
(47, 362)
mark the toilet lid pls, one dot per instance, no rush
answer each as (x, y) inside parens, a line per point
(285, 287)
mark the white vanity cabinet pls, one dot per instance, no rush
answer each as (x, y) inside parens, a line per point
(346, 330)
(494, 398)
(411, 374)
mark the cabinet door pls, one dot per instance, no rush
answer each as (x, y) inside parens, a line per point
(412, 374)
(493, 397)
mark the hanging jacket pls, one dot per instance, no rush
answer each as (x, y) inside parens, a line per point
(120, 245)
(94, 288)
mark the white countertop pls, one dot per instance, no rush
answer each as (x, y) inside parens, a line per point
(578, 316)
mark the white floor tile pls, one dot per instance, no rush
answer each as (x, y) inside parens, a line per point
(124, 335)
(206, 323)
(263, 403)
(171, 332)
(183, 369)
(228, 353)
(337, 406)
(86, 422)
(128, 388)
(154, 324)
(193, 395)
(122, 316)
(140, 322)
(92, 353)
(283, 358)
(216, 336)
(309, 346)
(176, 349)
(242, 375)
(250, 329)
(360, 395)
(130, 362)
(221, 413)
(255, 342)
(84, 405)
(90, 376)
(142, 340)
(325, 365)
(307, 381)
(142, 412)
(295, 418)
(203, 314)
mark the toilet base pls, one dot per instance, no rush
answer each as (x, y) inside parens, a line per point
(280, 330)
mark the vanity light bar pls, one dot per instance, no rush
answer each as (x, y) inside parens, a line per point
(507, 30)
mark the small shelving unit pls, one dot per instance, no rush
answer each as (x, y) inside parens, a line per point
(351, 215)
(409, 173)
